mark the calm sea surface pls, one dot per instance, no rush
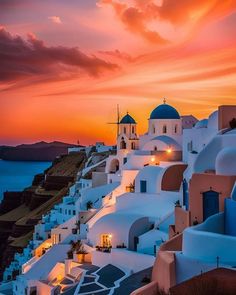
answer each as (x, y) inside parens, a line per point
(15, 176)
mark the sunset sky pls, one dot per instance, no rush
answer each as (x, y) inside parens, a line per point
(66, 64)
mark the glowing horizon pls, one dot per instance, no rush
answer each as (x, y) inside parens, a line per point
(66, 65)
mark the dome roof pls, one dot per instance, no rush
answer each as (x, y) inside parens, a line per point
(201, 124)
(225, 161)
(164, 111)
(127, 119)
(213, 120)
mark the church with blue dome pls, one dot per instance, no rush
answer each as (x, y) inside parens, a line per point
(164, 111)
(164, 131)
(164, 127)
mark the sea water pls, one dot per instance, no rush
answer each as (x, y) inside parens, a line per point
(17, 175)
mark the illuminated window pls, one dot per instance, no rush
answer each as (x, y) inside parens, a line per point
(106, 240)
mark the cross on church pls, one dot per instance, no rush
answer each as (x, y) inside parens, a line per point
(164, 100)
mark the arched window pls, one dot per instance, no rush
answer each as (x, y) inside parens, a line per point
(176, 128)
(122, 144)
(155, 148)
(133, 129)
(133, 145)
(114, 166)
(124, 130)
(164, 129)
(153, 129)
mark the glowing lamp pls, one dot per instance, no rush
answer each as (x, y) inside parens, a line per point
(169, 150)
(110, 236)
(152, 159)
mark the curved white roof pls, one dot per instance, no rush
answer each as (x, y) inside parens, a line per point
(213, 120)
(162, 142)
(226, 161)
(153, 175)
(168, 140)
(111, 222)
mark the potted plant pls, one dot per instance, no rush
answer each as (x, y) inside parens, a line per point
(177, 203)
(80, 251)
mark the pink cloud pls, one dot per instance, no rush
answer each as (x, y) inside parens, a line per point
(22, 59)
(55, 19)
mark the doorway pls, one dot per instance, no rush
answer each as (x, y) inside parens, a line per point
(210, 203)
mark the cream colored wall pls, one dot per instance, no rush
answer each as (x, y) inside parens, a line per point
(170, 124)
(129, 128)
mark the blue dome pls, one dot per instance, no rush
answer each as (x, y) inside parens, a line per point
(127, 119)
(164, 111)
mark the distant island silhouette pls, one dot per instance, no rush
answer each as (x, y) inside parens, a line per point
(39, 151)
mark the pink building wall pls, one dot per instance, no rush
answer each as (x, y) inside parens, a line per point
(163, 273)
(202, 182)
(182, 219)
(225, 115)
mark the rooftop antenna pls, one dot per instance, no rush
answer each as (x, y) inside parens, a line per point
(164, 100)
(117, 123)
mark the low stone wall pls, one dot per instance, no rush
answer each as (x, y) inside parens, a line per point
(57, 182)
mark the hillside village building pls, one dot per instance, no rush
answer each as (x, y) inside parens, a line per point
(152, 202)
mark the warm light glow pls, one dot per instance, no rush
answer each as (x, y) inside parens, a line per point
(153, 159)
(169, 151)
(110, 236)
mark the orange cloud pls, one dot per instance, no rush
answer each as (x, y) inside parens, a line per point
(139, 16)
(135, 20)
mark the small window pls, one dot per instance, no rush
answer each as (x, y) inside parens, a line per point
(133, 145)
(176, 128)
(155, 148)
(133, 129)
(124, 160)
(143, 186)
(164, 129)
(124, 130)
(153, 129)
(74, 212)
